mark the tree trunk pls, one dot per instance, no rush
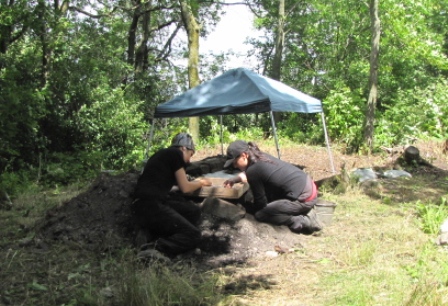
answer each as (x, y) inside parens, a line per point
(42, 30)
(132, 37)
(373, 82)
(193, 29)
(279, 41)
(141, 56)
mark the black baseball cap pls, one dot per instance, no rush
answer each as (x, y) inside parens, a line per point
(234, 150)
(183, 140)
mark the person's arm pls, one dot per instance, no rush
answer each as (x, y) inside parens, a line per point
(187, 186)
(241, 177)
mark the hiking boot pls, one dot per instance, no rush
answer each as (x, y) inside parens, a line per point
(314, 224)
(143, 237)
(298, 224)
(305, 224)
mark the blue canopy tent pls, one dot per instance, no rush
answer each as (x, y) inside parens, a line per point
(240, 91)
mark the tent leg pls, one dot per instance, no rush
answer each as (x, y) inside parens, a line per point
(328, 143)
(222, 137)
(274, 131)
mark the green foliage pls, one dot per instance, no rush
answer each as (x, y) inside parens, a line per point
(113, 127)
(345, 112)
(68, 168)
(432, 215)
(418, 112)
(328, 44)
(302, 128)
(211, 130)
(21, 109)
(248, 134)
(16, 182)
(164, 131)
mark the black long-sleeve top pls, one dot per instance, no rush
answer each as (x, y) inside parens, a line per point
(158, 177)
(276, 179)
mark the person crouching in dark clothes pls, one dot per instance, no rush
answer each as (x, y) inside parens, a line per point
(173, 221)
(283, 193)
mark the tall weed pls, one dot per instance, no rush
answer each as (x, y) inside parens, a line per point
(432, 215)
(426, 293)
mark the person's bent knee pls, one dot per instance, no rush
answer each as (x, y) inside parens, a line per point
(193, 238)
(196, 239)
(260, 216)
(196, 216)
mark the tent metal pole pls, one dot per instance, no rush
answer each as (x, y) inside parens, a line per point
(222, 137)
(328, 143)
(274, 130)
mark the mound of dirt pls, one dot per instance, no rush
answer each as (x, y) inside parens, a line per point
(100, 220)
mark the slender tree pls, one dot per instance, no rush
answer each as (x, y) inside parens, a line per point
(373, 80)
(276, 70)
(198, 17)
(193, 30)
(279, 41)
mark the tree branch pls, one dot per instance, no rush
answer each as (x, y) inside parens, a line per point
(161, 26)
(79, 10)
(166, 50)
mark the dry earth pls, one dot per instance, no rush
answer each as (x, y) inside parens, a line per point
(317, 162)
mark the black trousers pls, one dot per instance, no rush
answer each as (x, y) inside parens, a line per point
(173, 221)
(280, 212)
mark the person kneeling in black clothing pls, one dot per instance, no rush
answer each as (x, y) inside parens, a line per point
(173, 220)
(283, 194)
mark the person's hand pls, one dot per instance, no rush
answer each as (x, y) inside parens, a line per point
(205, 182)
(229, 183)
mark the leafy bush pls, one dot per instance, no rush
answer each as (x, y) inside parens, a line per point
(345, 113)
(301, 128)
(113, 127)
(66, 168)
(419, 112)
(17, 182)
(432, 215)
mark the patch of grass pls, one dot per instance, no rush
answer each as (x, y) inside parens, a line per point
(432, 215)
(428, 293)
(360, 254)
(359, 295)
(161, 285)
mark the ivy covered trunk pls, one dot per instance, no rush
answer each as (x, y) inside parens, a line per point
(193, 30)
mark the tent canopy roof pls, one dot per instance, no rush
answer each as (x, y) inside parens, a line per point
(238, 91)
